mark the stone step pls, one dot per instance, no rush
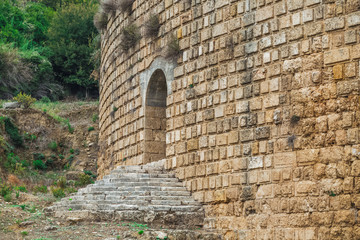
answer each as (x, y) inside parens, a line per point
(116, 183)
(144, 194)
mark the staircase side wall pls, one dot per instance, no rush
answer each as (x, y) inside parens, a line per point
(263, 114)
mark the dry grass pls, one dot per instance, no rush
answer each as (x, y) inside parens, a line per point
(130, 35)
(152, 26)
(125, 5)
(109, 6)
(100, 20)
(172, 50)
(14, 70)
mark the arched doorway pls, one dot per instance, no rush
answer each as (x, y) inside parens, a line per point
(155, 118)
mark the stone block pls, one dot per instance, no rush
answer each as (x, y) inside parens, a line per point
(246, 135)
(192, 144)
(336, 55)
(285, 159)
(262, 133)
(256, 162)
(307, 157)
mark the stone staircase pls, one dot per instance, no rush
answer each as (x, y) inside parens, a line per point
(144, 194)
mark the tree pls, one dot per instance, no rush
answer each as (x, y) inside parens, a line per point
(70, 40)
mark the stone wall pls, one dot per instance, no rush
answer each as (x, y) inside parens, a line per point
(262, 118)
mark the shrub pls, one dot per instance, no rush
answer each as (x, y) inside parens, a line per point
(5, 190)
(41, 189)
(21, 188)
(91, 129)
(13, 180)
(129, 37)
(61, 182)
(70, 128)
(14, 70)
(13, 133)
(57, 192)
(24, 99)
(45, 100)
(100, 20)
(84, 179)
(53, 145)
(39, 164)
(20, 169)
(38, 156)
(172, 50)
(95, 117)
(11, 161)
(8, 198)
(152, 26)
(70, 190)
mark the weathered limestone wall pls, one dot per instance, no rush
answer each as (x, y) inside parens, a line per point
(262, 116)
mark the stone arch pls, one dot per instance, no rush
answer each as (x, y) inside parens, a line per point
(155, 117)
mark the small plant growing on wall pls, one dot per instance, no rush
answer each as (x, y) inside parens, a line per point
(172, 50)
(152, 26)
(109, 6)
(100, 20)
(130, 35)
(125, 5)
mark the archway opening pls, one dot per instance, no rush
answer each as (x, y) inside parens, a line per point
(155, 118)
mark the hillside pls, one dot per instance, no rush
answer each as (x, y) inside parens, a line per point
(46, 152)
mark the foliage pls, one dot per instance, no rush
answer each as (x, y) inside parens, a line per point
(53, 145)
(24, 99)
(41, 189)
(61, 182)
(91, 129)
(84, 179)
(13, 132)
(69, 37)
(38, 156)
(8, 198)
(5, 189)
(57, 192)
(95, 117)
(130, 35)
(14, 71)
(39, 164)
(152, 26)
(11, 161)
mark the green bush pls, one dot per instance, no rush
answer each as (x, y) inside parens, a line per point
(91, 129)
(5, 190)
(84, 179)
(53, 145)
(25, 100)
(41, 189)
(39, 164)
(38, 156)
(11, 162)
(57, 192)
(21, 188)
(13, 133)
(45, 100)
(8, 198)
(69, 35)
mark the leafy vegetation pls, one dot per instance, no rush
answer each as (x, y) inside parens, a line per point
(25, 100)
(45, 48)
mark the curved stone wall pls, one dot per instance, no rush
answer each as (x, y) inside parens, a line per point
(262, 116)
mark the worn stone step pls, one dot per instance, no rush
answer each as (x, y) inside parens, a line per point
(145, 194)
